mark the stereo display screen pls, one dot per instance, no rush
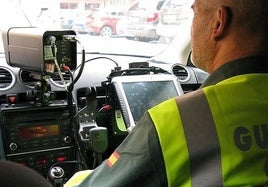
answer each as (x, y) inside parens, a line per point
(38, 131)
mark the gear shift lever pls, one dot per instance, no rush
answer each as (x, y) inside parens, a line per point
(56, 175)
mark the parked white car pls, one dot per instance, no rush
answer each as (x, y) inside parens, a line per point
(171, 15)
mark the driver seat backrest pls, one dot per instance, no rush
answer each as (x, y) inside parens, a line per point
(13, 175)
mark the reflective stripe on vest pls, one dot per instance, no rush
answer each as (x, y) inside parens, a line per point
(202, 140)
(191, 144)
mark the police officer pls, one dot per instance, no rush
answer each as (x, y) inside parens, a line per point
(217, 135)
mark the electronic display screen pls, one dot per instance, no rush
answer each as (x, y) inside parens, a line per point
(143, 95)
(138, 93)
(38, 131)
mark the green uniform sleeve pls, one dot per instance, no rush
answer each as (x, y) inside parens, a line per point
(138, 161)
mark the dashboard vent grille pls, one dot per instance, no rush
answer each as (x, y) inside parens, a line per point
(181, 72)
(26, 76)
(58, 81)
(6, 79)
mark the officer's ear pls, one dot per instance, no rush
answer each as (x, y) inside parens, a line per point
(222, 22)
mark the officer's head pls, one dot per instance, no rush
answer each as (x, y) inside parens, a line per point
(224, 30)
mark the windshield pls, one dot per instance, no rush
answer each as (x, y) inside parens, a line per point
(128, 27)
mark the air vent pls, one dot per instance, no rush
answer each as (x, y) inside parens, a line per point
(181, 72)
(7, 79)
(57, 81)
(28, 78)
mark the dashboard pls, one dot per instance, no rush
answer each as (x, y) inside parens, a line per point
(46, 125)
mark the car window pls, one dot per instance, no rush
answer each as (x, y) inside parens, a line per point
(174, 12)
(128, 23)
(171, 15)
(12, 15)
(147, 5)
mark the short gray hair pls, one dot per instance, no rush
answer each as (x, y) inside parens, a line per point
(250, 14)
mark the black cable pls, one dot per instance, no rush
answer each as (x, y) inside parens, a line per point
(73, 116)
(65, 162)
(96, 58)
(73, 120)
(82, 65)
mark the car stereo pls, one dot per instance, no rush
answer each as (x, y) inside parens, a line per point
(37, 137)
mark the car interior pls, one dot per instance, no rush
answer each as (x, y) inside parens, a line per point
(64, 108)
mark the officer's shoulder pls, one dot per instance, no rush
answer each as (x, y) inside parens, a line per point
(190, 96)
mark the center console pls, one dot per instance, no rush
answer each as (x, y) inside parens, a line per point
(37, 136)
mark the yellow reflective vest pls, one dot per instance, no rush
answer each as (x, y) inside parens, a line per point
(218, 135)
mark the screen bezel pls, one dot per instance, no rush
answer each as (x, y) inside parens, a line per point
(122, 99)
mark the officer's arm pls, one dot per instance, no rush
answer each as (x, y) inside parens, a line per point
(136, 162)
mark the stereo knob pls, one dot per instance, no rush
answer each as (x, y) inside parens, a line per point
(13, 146)
(67, 139)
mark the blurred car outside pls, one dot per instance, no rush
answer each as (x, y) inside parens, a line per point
(142, 19)
(121, 26)
(104, 22)
(171, 15)
(77, 24)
